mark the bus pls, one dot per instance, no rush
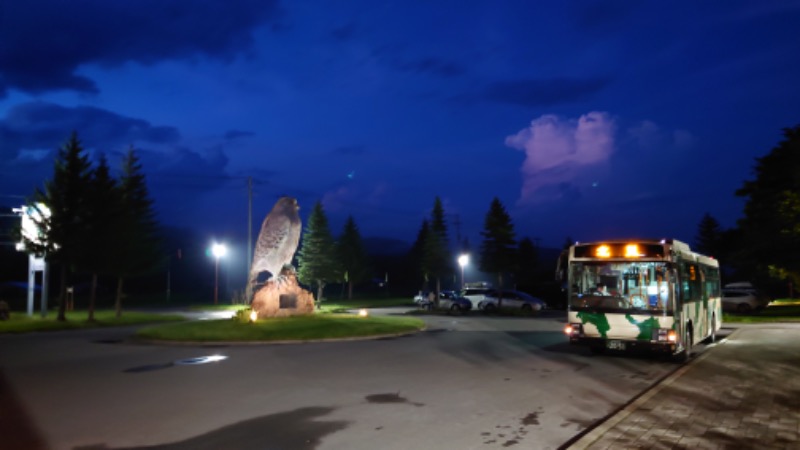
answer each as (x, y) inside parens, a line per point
(656, 295)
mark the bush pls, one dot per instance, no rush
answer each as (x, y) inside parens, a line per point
(4, 310)
(242, 315)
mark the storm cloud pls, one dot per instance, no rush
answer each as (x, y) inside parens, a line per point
(59, 36)
(543, 92)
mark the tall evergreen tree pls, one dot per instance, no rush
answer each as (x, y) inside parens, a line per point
(771, 222)
(102, 220)
(64, 232)
(138, 247)
(416, 255)
(709, 236)
(528, 263)
(352, 256)
(438, 222)
(499, 247)
(437, 259)
(316, 259)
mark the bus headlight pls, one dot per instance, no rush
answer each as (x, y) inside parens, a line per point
(572, 329)
(672, 336)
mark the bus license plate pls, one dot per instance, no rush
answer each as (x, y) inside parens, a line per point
(615, 345)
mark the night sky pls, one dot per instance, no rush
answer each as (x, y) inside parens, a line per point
(587, 119)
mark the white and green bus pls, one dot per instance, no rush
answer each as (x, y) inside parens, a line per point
(657, 295)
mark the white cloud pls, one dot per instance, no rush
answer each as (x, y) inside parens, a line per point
(557, 150)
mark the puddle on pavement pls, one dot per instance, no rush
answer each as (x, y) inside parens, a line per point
(390, 398)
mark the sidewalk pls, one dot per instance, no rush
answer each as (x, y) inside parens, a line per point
(744, 393)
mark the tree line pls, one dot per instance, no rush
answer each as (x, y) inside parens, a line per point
(92, 223)
(764, 244)
(322, 260)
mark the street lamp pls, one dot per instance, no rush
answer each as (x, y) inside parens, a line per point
(463, 260)
(218, 250)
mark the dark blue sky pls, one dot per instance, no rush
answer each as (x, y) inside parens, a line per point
(588, 119)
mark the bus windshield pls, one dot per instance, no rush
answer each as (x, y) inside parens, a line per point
(628, 286)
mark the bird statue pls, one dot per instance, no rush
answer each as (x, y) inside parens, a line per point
(277, 243)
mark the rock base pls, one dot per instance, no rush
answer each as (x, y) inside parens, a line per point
(282, 297)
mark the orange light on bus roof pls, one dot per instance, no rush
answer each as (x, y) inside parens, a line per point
(603, 251)
(631, 251)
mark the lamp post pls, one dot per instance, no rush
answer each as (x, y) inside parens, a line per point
(463, 260)
(218, 250)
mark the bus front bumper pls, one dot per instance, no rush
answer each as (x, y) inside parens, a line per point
(623, 344)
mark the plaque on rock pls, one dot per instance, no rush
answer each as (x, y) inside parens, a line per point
(287, 301)
(282, 296)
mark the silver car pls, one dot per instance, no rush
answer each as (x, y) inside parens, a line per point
(743, 300)
(512, 300)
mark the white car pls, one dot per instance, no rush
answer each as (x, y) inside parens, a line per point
(743, 300)
(512, 300)
(475, 295)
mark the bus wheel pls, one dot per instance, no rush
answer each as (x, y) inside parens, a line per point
(713, 336)
(686, 354)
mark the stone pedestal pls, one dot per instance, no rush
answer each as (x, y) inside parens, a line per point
(282, 297)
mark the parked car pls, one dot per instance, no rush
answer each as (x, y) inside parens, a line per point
(448, 300)
(475, 295)
(512, 300)
(743, 299)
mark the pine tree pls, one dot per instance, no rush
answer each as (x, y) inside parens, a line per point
(437, 259)
(63, 231)
(316, 259)
(499, 247)
(528, 263)
(138, 247)
(709, 235)
(417, 253)
(352, 256)
(102, 220)
(771, 222)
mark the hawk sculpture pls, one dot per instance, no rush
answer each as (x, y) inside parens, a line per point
(277, 242)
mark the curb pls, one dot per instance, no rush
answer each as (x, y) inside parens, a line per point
(593, 434)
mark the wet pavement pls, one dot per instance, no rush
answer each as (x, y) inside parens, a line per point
(743, 393)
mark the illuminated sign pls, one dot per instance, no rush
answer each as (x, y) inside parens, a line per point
(32, 216)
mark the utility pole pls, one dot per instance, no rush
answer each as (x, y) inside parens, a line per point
(248, 291)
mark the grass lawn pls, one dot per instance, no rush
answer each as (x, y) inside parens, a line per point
(783, 310)
(335, 305)
(299, 328)
(21, 323)
(217, 307)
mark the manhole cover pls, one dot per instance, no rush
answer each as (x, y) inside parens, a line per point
(200, 360)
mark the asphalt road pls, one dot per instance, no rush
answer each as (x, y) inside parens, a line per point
(471, 382)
